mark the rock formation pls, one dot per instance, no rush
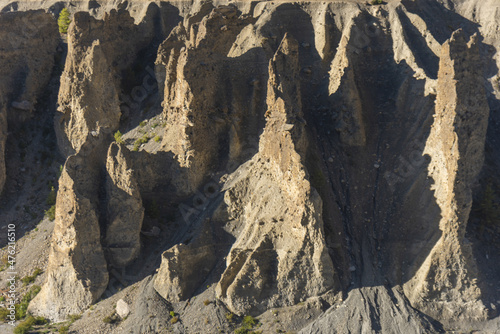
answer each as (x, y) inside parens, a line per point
(445, 285)
(318, 165)
(279, 257)
(77, 270)
(124, 209)
(29, 41)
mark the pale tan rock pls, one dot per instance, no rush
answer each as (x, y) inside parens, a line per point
(444, 286)
(77, 271)
(279, 257)
(124, 208)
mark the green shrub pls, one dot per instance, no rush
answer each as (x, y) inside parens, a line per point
(172, 314)
(30, 279)
(174, 320)
(63, 21)
(4, 313)
(51, 199)
(143, 140)
(143, 123)
(376, 2)
(51, 213)
(247, 325)
(23, 306)
(74, 317)
(118, 137)
(63, 329)
(158, 139)
(24, 326)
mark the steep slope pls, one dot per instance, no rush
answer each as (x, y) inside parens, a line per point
(29, 41)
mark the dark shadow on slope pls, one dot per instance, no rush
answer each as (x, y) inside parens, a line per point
(377, 189)
(440, 21)
(425, 58)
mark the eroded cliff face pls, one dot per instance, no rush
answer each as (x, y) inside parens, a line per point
(279, 257)
(77, 269)
(456, 147)
(29, 41)
(329, 152)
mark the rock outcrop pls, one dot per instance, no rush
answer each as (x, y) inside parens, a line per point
(28, 45)
(185, 267)
(208, 97)
(99, 66)
(349, 139)
(77, 270)
(124, 209)
(445, 286)
(279, 257)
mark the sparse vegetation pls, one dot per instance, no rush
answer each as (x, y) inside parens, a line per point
(158, 139)
(63, 329)
(23, 306)
(118, 137)
(74, 317)
(229, 317)
(142, 124)
(63, 21)
(26, 325)
(111, 319)
(377, 2)
(30, 279)
(51, 213)
(143, 140)
(3, 314)
(174, 320)
(247, 326)
(206, 302)
(51, 199)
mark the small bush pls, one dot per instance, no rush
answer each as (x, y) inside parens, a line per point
(158, 139)
(30, 279)
(51, 213)
(63, 21)
(111, 319)
(118, 137)
(63, 329)
(143, 140)
(174, 320)
(51, 199)
(24, 326)
(229, 317)
(23, 306)
(143, 123)
(247, 325)
(172, 314)
(377, 2)
(4, 313)
(206, 302)
(74, 317)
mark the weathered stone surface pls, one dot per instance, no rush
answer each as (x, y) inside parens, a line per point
(184, 267)
(124, 208)
(279, 257)
(199, 106)
(444, 287)
(99, 54)
(77, 270)
(122, 308)
(28, 45)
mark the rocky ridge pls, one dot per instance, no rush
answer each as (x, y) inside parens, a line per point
(352, 173)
